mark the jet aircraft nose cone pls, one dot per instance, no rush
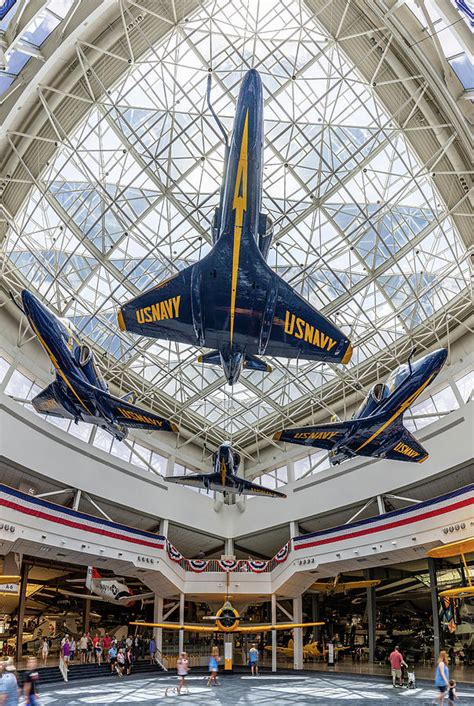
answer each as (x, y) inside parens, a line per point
(440, 356)
(30, 302)
(252, 81)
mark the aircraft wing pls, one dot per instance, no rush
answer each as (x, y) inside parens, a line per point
(124, 412)
(91, 596)
(249, 488)
(197, 480)
(268, 627)
(45, 403)
(177, 626)
(322, 436)
(298, 329)
(406, 448)
(132, 416)
(165, 311)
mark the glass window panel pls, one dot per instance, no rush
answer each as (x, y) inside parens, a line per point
(19, 385)
(102, 440)
(159, 463)
(466, 385)
(445, 400)
(121, 450)
(4, 367)
(80, 430)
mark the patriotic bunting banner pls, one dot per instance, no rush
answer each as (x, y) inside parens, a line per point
(228, 564)
(257, 566)
(198, 565)
(282, 555)
(173, 552)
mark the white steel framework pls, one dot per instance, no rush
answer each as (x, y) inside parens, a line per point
(125, 197)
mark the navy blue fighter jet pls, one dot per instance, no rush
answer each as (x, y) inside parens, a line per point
(225, 479)
(231, 300)
(376, 429)
(79, 392)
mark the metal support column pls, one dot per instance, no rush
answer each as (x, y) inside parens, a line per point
(298, 633)
(229, 547)
(294, 529)
(86, 615)
(158, 618)
(21, 610)
(434, 604)
(274, 632)
(181, 622)
(370, 617)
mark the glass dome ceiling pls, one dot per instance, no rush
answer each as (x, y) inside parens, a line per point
(129, 195)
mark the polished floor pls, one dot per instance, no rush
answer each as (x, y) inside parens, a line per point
(266, 690)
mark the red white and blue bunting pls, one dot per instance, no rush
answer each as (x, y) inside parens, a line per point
(256, 566)
(282, 555)
(198, 565)
(228, 564)
(173, 553)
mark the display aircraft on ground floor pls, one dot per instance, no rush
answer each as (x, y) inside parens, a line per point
(231, 300)
(376, 429)
(110, 590)
(225, 479)
(79, 391)
(313, 649)
(227, 619)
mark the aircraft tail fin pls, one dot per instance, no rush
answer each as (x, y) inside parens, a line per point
(92, 574)
(251, 362)
(130, 397)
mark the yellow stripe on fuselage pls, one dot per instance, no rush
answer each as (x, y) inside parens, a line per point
(57, 366)
(239, 204)
(399, 411)
(223, 472)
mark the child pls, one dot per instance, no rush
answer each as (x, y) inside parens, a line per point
(452, 696)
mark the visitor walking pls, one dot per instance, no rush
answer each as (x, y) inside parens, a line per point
(182, 668)
(253, 660)
(8, 686)
(152, 650)
(112, 655)
(83, 648)
(442, 676)
(106, 645)
(213, 667)
(73, 649)
(30, 685)
(44, 651)
(396, 661)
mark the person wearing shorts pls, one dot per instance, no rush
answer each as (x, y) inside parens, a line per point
(442, 676)
(396, 661)
(182, 668)
(253, 660)
(112, 658)
(213, 667)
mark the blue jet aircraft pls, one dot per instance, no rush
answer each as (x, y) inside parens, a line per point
(224, 479)
(79, 392)
(231, 300)
(376, 429)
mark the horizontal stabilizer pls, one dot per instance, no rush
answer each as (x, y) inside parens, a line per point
(45, 403)
(407, 448)
(211, 358)
(251, 362)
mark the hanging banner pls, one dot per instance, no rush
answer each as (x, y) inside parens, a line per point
(228, 564)
(198, 565)
(282, 555)
(173, 553)
(257, 566)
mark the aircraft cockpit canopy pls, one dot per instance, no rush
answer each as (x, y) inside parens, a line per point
(398, 377)
(85, 354)
(380, 391)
